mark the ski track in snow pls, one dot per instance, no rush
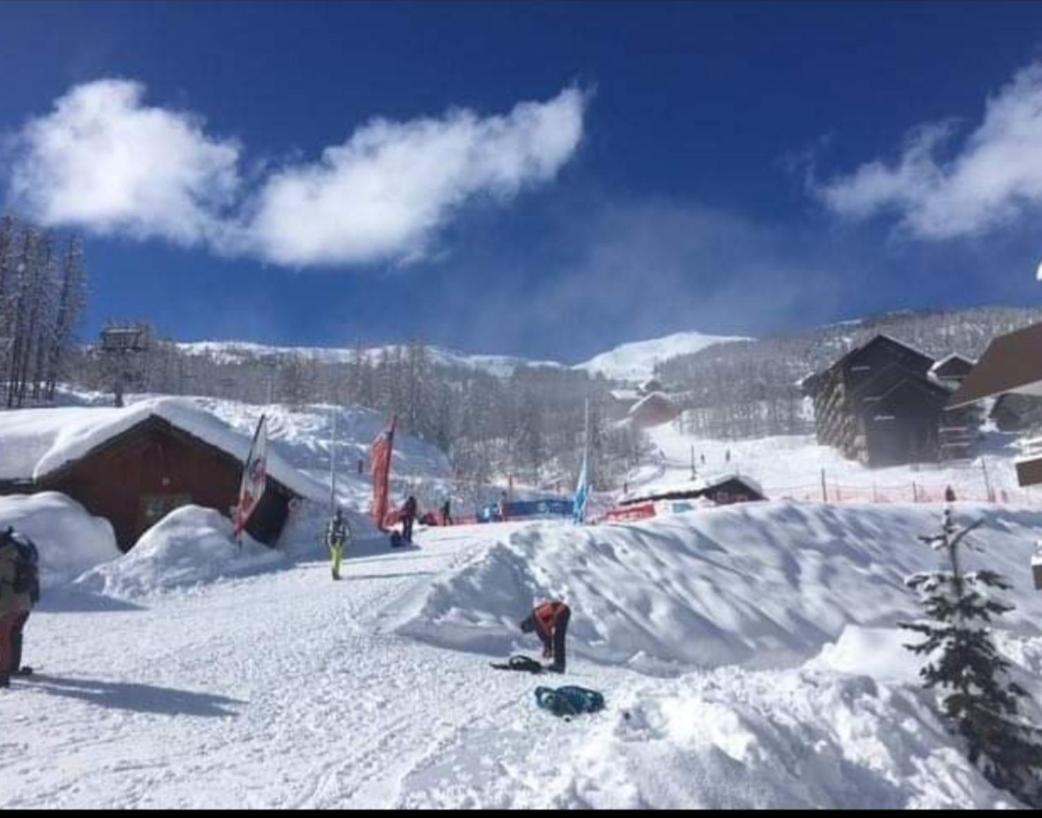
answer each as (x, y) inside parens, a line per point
(299, 700)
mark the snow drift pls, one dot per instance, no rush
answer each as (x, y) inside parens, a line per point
(190, 546)
(723, 739)
(69, 539)
(757, 584)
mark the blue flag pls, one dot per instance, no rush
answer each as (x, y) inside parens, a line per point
(582, 492)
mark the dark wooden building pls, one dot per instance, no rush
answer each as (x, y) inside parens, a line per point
(882, 405)
(138, 473)
(1011, 370)
(722, 490)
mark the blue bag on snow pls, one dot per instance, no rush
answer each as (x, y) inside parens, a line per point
(569, 700)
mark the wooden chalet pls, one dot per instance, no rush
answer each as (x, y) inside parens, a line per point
(722, 490)
(133, 466)
(1011, 365)
(883, 403)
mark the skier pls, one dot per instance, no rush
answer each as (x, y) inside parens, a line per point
(408, 516)
(550, 623)
(446, 516)
(338, 533)
(19, 590)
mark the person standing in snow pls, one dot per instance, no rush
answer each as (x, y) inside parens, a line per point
(408, 516)
(338, 533)
(19, 590)
(446, 516)
(549, 620)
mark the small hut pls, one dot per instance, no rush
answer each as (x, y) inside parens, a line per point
(134, 465)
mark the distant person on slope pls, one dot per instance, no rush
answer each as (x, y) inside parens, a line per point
(338, 534)
(446, 516)
(19, 590)
(408, 517)
(549, 620)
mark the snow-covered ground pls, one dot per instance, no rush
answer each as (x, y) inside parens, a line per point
(273, 686)
(749, 655)
(791, 466)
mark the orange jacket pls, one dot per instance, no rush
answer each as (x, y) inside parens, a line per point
(547, 616)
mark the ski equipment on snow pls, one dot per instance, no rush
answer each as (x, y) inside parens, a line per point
(570, 700)
(520, 662)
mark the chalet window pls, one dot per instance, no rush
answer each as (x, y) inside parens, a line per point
(154, 507)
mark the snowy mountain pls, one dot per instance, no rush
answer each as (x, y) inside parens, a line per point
(632, 361)
(636, 361)
(239, 351)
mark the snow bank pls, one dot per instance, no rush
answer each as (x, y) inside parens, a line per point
(69, 539)
(876, 652)
(757, 584)
(190, 546)
(724, 739)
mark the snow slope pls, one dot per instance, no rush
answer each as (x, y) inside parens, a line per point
(636, 361)
(238, 351)
(792, 465)
(760, 584)
(628, 362)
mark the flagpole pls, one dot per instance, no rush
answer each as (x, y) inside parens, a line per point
(332, 466)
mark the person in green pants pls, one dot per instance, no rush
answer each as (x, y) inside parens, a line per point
(337, 535)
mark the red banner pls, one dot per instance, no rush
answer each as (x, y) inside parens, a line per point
(624, 513)
(254, 476)
(381, 459)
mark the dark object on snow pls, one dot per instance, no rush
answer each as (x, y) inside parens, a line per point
(550, 622)
(396, 540)
(520, 662)
(408, 517)
(569, 700)
(949, 494)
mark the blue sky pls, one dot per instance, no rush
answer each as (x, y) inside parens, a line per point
(543, 179)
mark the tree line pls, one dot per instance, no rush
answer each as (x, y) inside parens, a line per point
(529, 424)
(43, 283)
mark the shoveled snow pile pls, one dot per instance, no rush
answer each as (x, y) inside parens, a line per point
(755, 584)
(191, 546)
(723, 739)
(69, 539)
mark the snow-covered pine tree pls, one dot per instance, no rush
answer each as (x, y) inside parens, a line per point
(980, 703)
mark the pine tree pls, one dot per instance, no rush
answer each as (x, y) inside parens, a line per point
(981, 704)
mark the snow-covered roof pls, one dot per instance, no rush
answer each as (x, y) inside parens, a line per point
(955, 356)
(37, 442)
(694, 487)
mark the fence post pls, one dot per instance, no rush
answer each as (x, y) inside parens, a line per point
(824, 491)
(987, 483)
(915, 493)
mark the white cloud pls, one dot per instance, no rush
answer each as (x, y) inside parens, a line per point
(387, 189)
(990, 181)
(103, 161)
